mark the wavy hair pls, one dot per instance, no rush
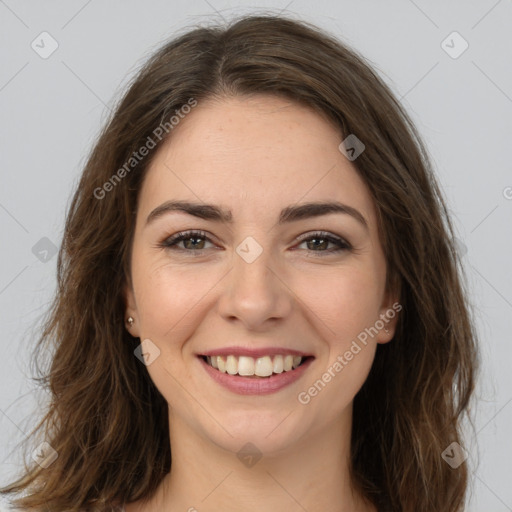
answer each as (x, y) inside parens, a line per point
(106, 419)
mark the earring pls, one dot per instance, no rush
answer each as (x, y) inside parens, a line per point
(130, 321)
(387, 330)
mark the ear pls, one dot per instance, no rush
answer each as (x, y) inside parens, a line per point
(388, 315)
(130, 309)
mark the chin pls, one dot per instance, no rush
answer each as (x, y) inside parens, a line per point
(266, 430)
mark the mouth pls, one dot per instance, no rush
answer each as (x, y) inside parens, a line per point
(263, 367)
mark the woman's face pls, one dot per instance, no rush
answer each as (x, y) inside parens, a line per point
(259, 277)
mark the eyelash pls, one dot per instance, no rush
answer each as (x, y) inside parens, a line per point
(172, 241)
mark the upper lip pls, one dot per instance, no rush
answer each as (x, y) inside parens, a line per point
(253, 352)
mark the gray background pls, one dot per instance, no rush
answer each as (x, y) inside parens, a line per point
(51, 109)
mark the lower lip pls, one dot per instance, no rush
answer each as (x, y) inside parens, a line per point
(256, 385)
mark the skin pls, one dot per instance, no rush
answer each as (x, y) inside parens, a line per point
(255, 156)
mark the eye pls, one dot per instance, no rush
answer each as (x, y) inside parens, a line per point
(194, 241)
(319, 240)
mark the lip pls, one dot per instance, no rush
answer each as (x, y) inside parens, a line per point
(253, 352)
(256, 385)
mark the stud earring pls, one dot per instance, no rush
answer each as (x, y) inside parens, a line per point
(130, 321)
(387, 330)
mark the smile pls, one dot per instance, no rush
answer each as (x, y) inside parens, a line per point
(249, 366)
(252, 376)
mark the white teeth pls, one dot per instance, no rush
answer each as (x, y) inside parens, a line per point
(248, 366)
(231, 365)
(245, 365)
(221, 363)
(278, 364)
(263, 366)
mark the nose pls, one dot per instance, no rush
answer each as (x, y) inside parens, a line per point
(255, 292)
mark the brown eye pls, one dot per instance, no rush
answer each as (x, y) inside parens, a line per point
(194, 241)
(319, 241)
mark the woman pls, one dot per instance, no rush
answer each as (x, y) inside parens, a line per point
(259, 301)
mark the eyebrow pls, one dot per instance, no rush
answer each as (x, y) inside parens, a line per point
(289, 214)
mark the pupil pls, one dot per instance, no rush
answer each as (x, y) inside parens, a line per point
(194, 240)
(316, 240)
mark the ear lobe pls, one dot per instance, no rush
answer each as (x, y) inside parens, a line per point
(130, 309)
(389, 319)
(388, 315)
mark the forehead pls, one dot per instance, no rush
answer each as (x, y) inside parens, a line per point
(254, 155)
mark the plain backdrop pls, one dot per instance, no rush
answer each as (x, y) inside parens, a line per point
(456, 86)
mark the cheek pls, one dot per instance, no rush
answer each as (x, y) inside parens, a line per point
(170, 301)
(169, 298)
(335, 384)
(345, 301)
(346, 306)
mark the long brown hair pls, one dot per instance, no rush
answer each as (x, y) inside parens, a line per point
(106, 419)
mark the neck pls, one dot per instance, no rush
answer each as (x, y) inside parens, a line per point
(312, 474)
